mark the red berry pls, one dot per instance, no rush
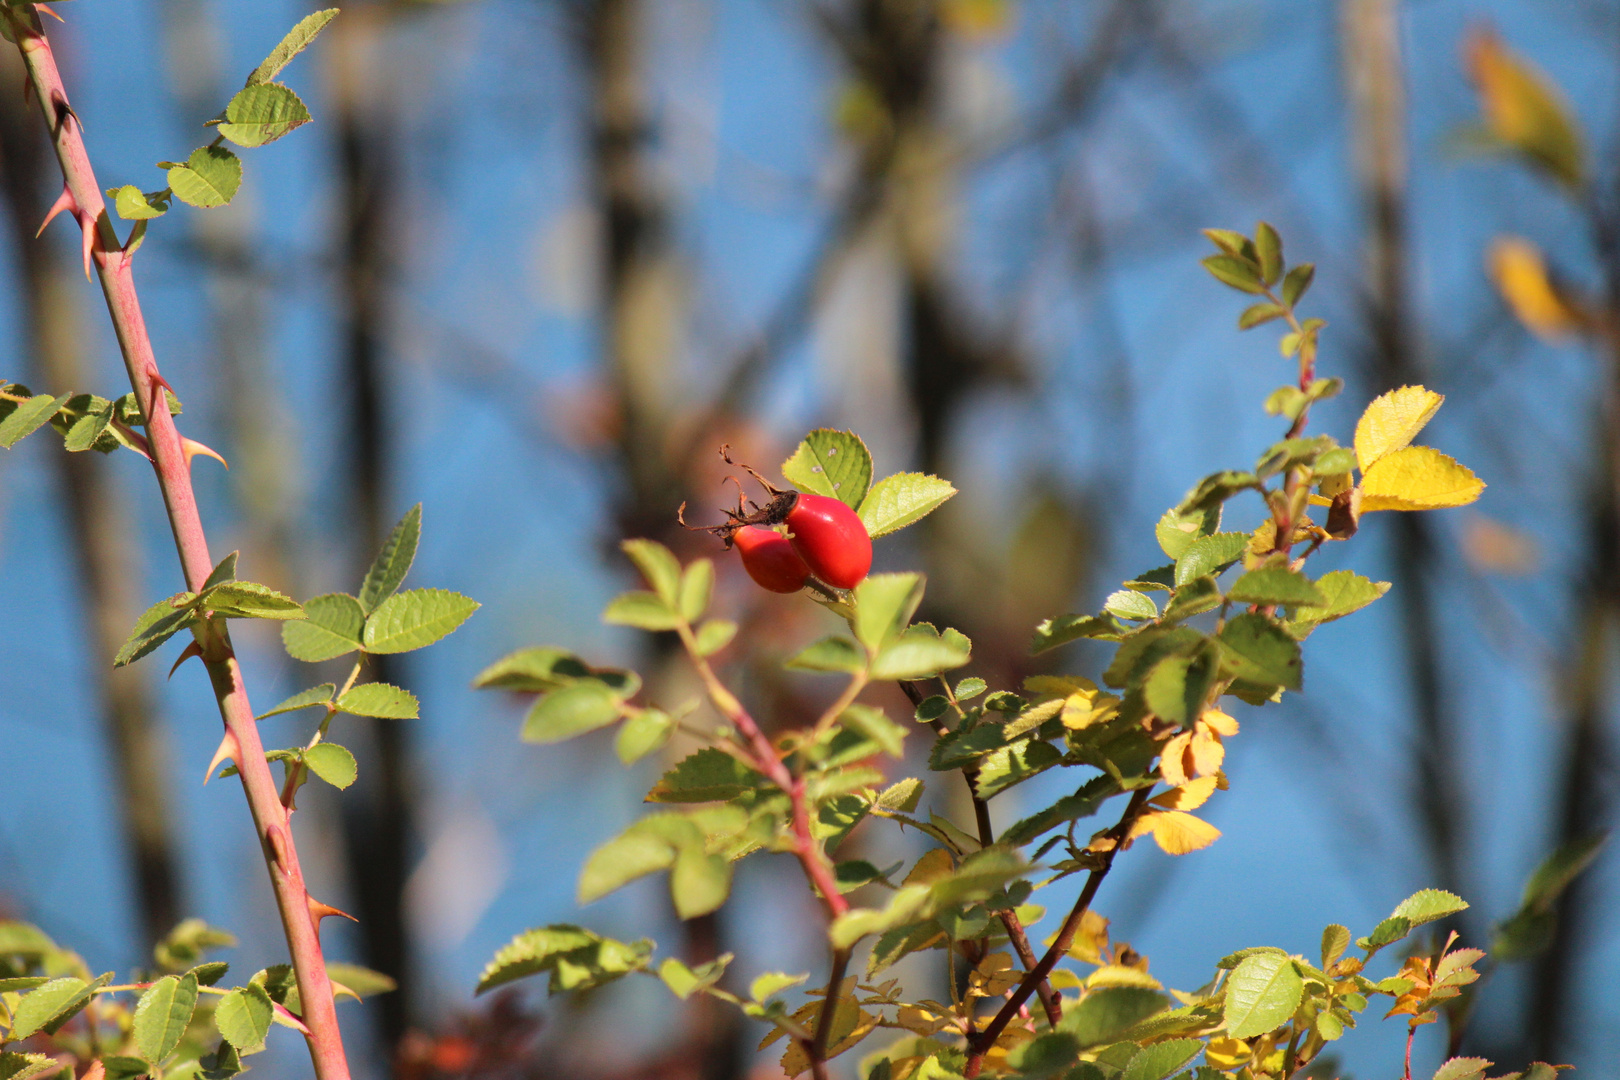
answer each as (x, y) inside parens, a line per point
(830, 538)
(770, 560)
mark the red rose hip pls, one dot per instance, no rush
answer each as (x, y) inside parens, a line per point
(770, 559)
(830, 538)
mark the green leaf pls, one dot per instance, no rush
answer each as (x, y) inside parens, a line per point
(632, 854)
(209, 178)
(261, 113)
(1160, 1059)
(1262, 992)
(1268, 248)
(20, 419)
(223, 571)
(1276, 585)
(387, 571)
(697, 589)
(1176, 531)
(1259, 314)
(576, 958)
(884, 603)
(1239, 273)
(684, 981)
(332, 626)
(643, 610)
(1082, 804)
(1210, 555)
(315, 695)
(900, 500)
(1045, 1056)
(362, 981)
(156, 625)
(1459, 1068)
(1105, 1013)
(1296, 282)
(1561, 868)
(1066, 628)
(414, 619)
(872, 723)
(573, 710)
(772, 983)
(210, 973)
(1011, 765)
(539, 668)
(163, 1014)
(920, 652)
(1335, 939)
(1427, 905)
(296, 41)
(834, 463)
(642, 733)
(699, 883)
(1335, 462)
(714, 635)
(89, 431)
(249, 600)
(331, 763)
(133, 204)
(1343, 592)
(1130, 604)
(39, 1007)
(26, 982)
(380, 700)
(706, 776)
(1215, 489)
(1385, 933)
(829, 654)
(658, 565)
(1255, 648)
(1197, 596)
(970, 688)
(1178, 686)
(15, 1066)
(243, 1017)
(188, 942)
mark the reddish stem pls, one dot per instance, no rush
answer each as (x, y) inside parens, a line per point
(113, 267)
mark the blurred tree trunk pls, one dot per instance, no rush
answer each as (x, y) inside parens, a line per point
(641, 299)
(102, 534)
(1376, 89)
(378, 814)
(1584, 781)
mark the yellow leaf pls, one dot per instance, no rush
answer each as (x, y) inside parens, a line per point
(1393, 421)
(1172, 759)
(1091, 940)
(1219, 722)
(1064, 979)
(1206, 751)
(1189, 796)
(918, 1019)
(1058, 685)
(934, 866)
(1175, 832)
(1417, 478)
(1225, 1052)
(1120, 975)
(1084, 708)
(1524, 110)
(850, 1024)
(1521, 277)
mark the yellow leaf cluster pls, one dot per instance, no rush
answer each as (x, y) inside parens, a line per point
(1396, 475)
(993, 976)
(850, 1024)
(1198, 752)
(1516, 266)
(1189, 796)
(1090, 942)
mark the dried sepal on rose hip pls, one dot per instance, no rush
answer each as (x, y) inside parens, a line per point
(826, 536)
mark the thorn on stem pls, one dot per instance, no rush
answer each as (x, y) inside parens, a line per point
(63, 202)
(46, 9)
(194, 649)
(319, 911)
(191, 448)
(87, 226)
(228, 748)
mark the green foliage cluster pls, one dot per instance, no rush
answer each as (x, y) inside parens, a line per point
(1226, 616)
(174, 1019)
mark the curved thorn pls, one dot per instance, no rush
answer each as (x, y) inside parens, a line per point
(191, 650)
(47, 10)
(228, 748)
(191, 448)
(319, 911)
(63, 202)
